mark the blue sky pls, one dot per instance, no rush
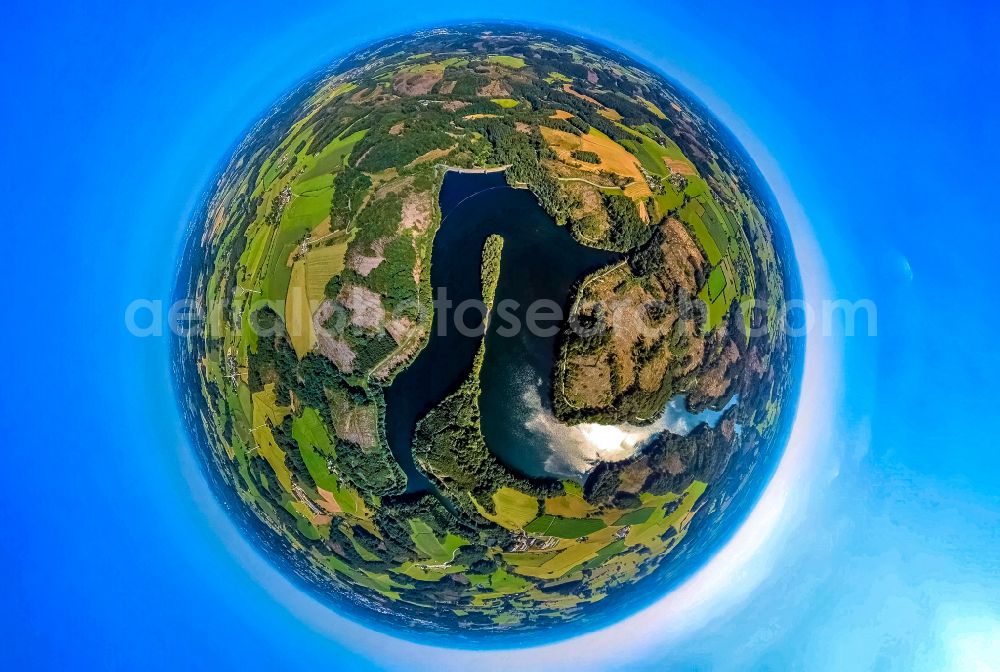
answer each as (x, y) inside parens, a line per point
(877, 545)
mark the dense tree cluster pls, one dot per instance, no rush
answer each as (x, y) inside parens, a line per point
(627, 230)
(584, 155)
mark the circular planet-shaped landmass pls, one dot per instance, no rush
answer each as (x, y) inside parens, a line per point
(561, 462)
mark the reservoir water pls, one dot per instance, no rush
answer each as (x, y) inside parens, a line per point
(540, 261)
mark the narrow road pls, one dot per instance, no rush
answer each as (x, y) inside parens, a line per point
(594, 184)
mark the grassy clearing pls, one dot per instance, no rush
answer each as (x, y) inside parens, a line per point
(634, 517)
(322, 263)
(501, 581)
(513, 62)
(716, 283)
(504, 102)
(298, 315)
(536, 559)
(669, 200)
(266, 410)
(612, 115)
(343, 88)
(420, 573)
(568, 506)
(311, 186)
(651, 106)
(315, 446)
(611, 550)
(305, 212)
(564, 528)
(614, 157)
(427, 542)
(333, 157)
(563, 561)
(514, 509)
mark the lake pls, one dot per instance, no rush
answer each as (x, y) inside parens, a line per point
(541, 260)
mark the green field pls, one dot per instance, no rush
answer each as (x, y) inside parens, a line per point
(568, 506)
(564, 561)
(504, 102)
(611, 550)
(564, 528)
(315, 446)
(716, 283)
(427, 542)
(333, 157)
(536, 559)
(514, 509)
(635, 517)
(514, 62)
(652, 107)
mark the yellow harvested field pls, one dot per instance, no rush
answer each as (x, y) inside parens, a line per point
(568, 506)
(614, 158)
(514, 509)
(564, 561)
(266, 409)
(651, 106)
(321, 229)
(613, 115)
(432, 155)
(560, 114)
(680, 166)
(638, 190)
(573, 92)
(470, 117)
(298, 316)
(322, 263)
(328, 501)
(274, 455)
(643, 213)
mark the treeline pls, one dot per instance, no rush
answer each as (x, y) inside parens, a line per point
(490, 269)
